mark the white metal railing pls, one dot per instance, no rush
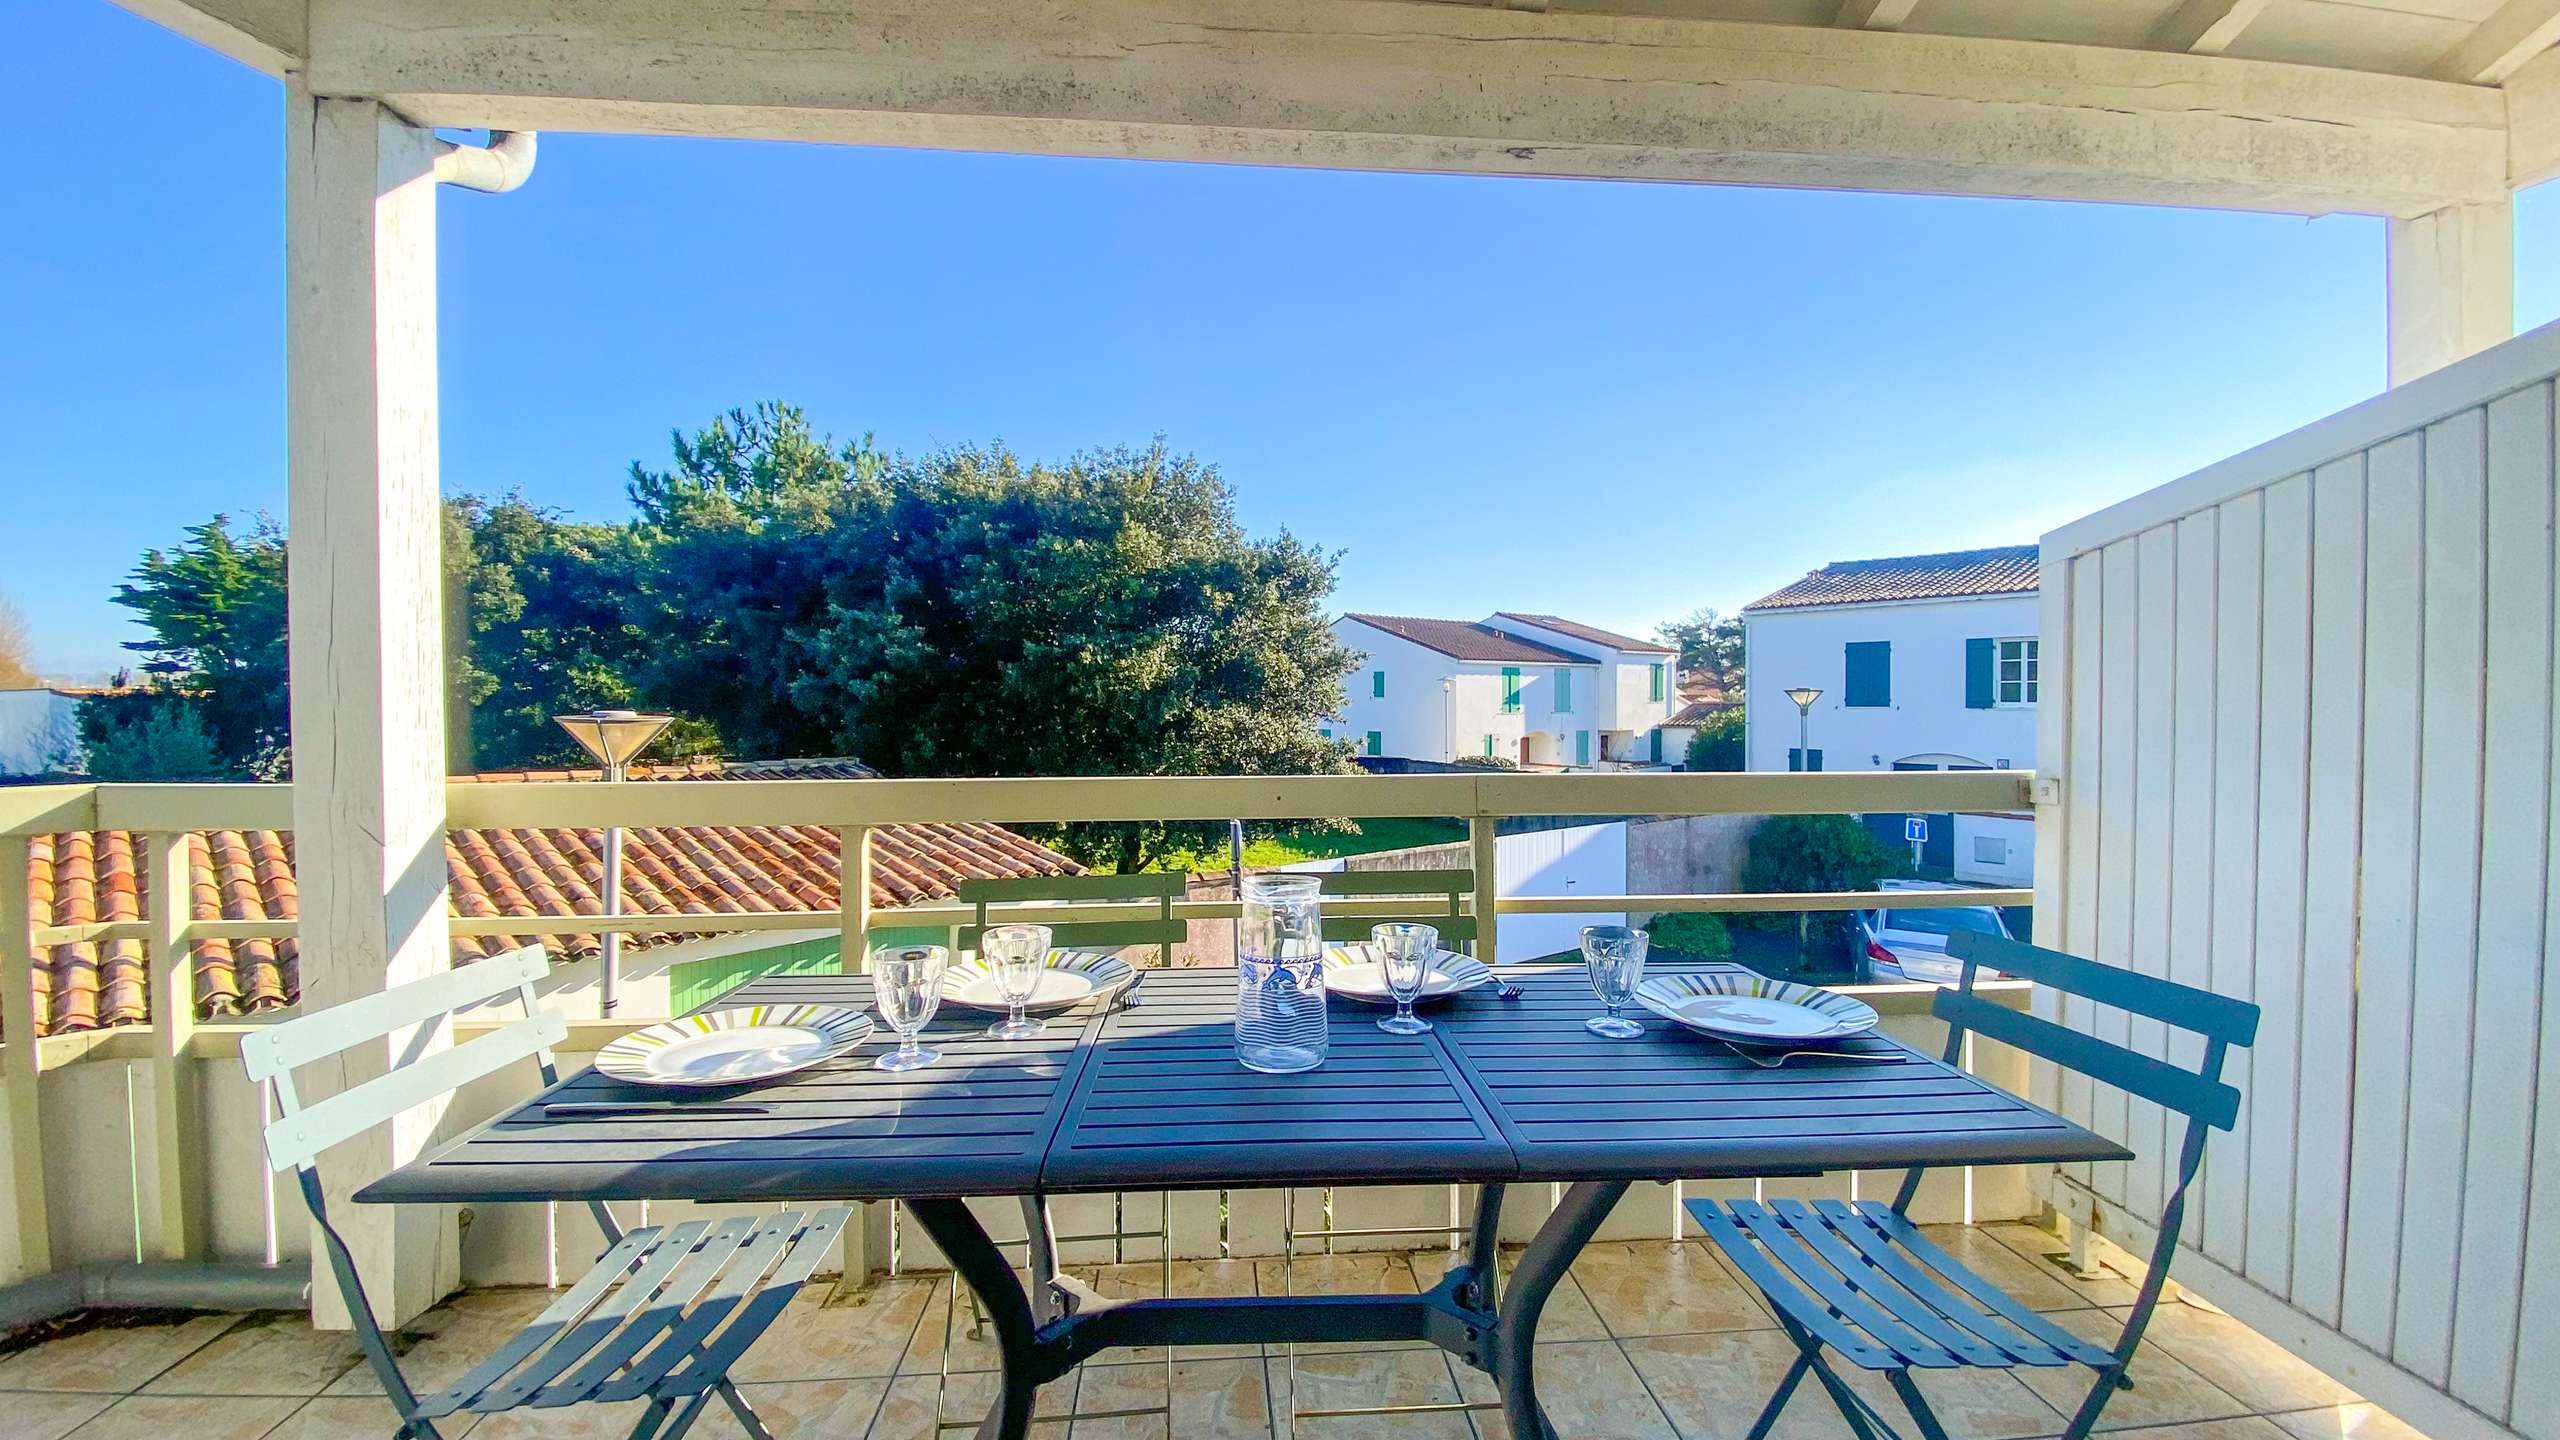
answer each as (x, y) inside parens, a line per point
(171, 1213)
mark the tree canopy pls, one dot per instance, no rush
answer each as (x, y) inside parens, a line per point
(1710, 646)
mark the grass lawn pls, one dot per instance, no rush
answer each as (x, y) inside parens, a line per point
(1266, 847)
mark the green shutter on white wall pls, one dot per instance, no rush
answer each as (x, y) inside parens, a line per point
(1510, 689)
(1376, 745)
(1657, 683)
(1564, 691)
(1378, 684)
(1581, 747)
(1869, 666)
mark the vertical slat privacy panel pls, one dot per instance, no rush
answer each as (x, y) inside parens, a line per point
(2306, 756)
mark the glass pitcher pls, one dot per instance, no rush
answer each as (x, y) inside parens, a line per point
(1280, 1020)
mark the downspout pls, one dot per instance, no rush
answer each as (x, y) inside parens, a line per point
(495, 168)
(180, 1285)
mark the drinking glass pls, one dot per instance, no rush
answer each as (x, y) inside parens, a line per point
(1404, 957)
(1016, 954)
(909, 984)
(1280, 1007)
(1614, 955)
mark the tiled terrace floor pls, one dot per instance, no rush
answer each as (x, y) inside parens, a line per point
(1649, 1340)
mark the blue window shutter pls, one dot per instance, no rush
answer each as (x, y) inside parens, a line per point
(1581, 747)
(1378, 684)
(1564, 691)
(1795, 760)
(1869, 664)
(1376, 745)
(1657, 746)
(1978, 668)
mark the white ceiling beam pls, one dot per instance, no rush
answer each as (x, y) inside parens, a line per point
(2533, 121)
(2204, 27)
(1400, 85)
(1873, 14)
(2514, 33)
(268, 35)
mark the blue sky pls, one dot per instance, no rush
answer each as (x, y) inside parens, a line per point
(1613, 401)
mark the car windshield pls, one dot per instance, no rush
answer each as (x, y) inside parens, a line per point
(1943, 922)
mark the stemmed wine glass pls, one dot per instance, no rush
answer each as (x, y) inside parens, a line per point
(1016, 954)
(1614, 955)
(1404, 958)
(908, 982)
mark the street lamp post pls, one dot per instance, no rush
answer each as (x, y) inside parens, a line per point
(615, 738)
(1804, 696)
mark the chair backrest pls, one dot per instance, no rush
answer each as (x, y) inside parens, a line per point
(1163, 931)
(1440, 898)
(272, 1054)
(2199, 1094)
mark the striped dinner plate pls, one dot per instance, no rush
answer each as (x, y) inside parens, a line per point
(734, 1047)
(1352, 971)
(1754, 1009)
(1070, 978)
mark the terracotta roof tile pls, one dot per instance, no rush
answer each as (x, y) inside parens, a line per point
(1470, 640)
(88, 877)
(1592, 633)
(2005, 570)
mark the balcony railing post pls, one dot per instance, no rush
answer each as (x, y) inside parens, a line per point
(24, 1058)
(178, 1229)
(1481, 834)
(853, 897)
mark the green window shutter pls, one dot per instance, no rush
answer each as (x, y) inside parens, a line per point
(1581, 747)
(1510, 689)
(1488, 747)
(1376, 743)
(1564, 691)
(1657, 746)
(1870, 674)
(1979, 656)
(1657, 683)
(1378, 684)
(1796, 760)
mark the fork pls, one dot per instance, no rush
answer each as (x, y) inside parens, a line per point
(1768, 1061)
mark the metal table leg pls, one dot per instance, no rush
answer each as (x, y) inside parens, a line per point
(982, 1267)
(1515, 1331)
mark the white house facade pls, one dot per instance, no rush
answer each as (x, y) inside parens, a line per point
(1925, 662)
(39, 732)
(1533, 689)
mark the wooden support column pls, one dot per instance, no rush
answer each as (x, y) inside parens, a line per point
(2452, 283)
(853, 897)
(1481, 832)
(22, 1060)
(367, 659)
(178, 1228)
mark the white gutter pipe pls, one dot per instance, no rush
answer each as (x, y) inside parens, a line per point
(496, 168)
(169, 1285)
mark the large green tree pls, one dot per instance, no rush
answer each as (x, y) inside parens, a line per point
(974, 613)
(214, 607)
(1710, 646)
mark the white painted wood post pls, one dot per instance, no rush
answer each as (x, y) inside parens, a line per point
(367, 659)
(24, 1059)
(2452, 284)
(177, 1207)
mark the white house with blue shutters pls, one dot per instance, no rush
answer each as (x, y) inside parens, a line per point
(1925, 662)
(1538, 690)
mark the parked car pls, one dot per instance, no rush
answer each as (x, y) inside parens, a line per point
(1910, 943)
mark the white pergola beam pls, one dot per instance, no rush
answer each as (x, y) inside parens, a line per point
(2205, 27)
(366, 645)
(2533, 121)
(2514, 33)
(268, 35)
(2452, 286)
(1873, 14)
(1405, 85)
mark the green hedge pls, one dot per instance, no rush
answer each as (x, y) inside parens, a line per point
(1700, 933)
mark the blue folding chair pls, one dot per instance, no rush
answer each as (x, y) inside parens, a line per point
(1862, 1281)
(646, 1323)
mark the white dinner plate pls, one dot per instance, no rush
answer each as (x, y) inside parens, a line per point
(1754, 1008)
(1070, 978)
(1352, 972)
(734, 1047)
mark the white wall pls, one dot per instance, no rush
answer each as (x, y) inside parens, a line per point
(1789, 648)
(2300, 706)
(1414, 718)
(1624, 688)
(39, 732)
(1995, 850)
(1586, 859)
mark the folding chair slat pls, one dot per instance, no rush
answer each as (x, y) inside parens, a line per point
(1907, 1235)
(710, 1364)
(1924, 1283)
(291, 1044)
(771, 1242)
(662, 1311)
(2216, 1017)
(555, 1317)
(303, 1135)
(598, 1323)
(1812, 1275)
(1815, 1230)
(2182, 1090)
(1759, 1270)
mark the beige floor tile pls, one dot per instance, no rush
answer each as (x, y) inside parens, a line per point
(32, 1415)
(2043, 1249)
(1192, 1279)
(809, 1408)
(1343, 1380)
(443, 1345)
(1659, 1287)
(1713, 1386)
(198, 1417)
(1976, 1404)
(2257, 1371)
(1586, 1388)
(109, 1355)
(1223, 1398)
(569, 1422)
(907, 1413)
(2247, 1427)
(2165, 1391)
(855, 1335)
(340, 1417)
(1373, 1272)
(263, 1355)
(963, 1332)
(1568, 1315)
(2347, 1422)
